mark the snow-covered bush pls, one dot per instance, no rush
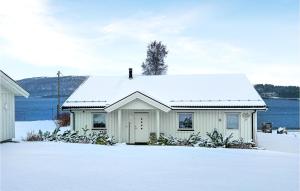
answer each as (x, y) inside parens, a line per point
(72, 137)
(104, 139)
(192, 140)
(216, 139)
(241, 144)
(32, 136)
(152, 139)
(164, 140)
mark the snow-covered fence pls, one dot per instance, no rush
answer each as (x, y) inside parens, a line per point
(279, 142)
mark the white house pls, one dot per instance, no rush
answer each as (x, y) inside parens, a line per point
(8, 90)
(130, 108)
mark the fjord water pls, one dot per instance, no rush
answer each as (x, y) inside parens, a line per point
(281, 112)
(36, 108)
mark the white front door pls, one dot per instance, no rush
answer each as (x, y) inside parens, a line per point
(141, 127)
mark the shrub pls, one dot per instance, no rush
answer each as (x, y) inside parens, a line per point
(152, 139)
(104, 139)
(216, 139)
(69, 136)
(31, 136)
(163, 140)
(192, 140)
(240, 144)
(64, 119)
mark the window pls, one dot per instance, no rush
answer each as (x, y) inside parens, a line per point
(99, 120)
(185, 121)
(232, 120)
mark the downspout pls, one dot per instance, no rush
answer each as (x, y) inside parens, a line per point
(129, 132)
(252, 125)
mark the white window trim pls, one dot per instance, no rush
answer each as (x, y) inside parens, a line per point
(99, 128)
(239, 121)
(177, 121)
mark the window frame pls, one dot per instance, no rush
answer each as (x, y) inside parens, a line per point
(99, 128)
(178, 122)
(239, 120)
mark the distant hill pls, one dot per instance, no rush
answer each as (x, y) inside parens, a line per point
(47, 86)
(269, 90)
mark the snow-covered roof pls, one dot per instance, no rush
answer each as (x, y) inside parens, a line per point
(12, 85)
(211, 90)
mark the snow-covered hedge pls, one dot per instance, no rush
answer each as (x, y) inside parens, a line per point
(215, 139)
(69, 136)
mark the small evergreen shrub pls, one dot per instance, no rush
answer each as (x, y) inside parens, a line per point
(192, 140)
(164, 140)
(216, 139)
(104, 139)
(152, 139)
(72, 137)
(241, 144)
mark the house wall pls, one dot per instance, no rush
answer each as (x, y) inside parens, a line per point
(203, 121)
(7, 103)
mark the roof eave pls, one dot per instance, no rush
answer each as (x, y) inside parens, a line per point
(13, 85)
(263, 108)
(141, 96)
(220, 107)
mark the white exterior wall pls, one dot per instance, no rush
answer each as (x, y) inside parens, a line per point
(7, 103)
(203, 121)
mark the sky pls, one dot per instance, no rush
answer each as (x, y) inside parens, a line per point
(78, 37)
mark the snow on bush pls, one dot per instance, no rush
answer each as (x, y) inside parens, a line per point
(215, 139)
(69, 136)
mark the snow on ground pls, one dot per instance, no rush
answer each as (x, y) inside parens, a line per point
(24, 127)
(48, 166)
(279, 142)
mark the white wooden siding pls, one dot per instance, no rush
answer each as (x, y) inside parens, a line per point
(7, 104)
(203, 121)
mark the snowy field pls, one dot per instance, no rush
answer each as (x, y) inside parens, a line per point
(61, 166)
(280, 142)
(48, 166)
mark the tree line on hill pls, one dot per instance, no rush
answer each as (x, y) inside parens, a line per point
(269, 90)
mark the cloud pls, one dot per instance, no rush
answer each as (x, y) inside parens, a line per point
(148, 26)
(30, 33)
(186, 53)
